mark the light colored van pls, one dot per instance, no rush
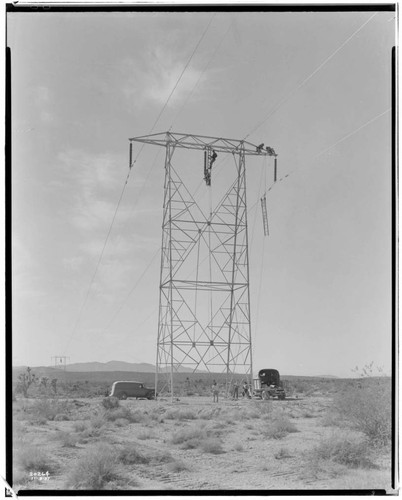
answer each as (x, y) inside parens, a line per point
(130, 389)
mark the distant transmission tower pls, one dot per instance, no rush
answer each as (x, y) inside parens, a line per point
(60, 362)
(204, 305)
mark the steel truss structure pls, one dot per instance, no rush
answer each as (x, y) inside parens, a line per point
(60, 361)
(204, 307)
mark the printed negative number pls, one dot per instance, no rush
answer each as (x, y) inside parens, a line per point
(42, 476)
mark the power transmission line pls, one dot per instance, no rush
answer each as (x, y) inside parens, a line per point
(308, 78)
(371, 120)
(128, 175)
(99, 261)
(182, 73)
(344, 138)
(175, 86)
(202, 73)
(132, 290)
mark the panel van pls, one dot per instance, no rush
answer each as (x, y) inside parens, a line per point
(130, 389)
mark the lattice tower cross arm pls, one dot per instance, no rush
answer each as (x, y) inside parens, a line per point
(201, 142)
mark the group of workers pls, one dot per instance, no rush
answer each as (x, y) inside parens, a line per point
(235, 391)
(269, 150)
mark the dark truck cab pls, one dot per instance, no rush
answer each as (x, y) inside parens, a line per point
(268, 385)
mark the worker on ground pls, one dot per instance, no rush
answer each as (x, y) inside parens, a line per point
(236, 391)
(245, 390)
(215, 392)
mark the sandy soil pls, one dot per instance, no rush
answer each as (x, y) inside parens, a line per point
(249, 461)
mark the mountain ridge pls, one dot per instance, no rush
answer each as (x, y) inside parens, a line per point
(125, 366)
(111, 366)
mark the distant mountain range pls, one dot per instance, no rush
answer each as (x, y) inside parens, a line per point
(124, 366)
(111, 366)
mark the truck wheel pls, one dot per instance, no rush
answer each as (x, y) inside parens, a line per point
(123, 396)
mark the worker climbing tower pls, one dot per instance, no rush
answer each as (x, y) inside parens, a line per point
(204, 305)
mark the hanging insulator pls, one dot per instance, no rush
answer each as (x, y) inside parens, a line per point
(275, 169)
(265, 215)
(131, 155)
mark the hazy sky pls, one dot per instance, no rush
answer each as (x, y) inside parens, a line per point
(83, 83)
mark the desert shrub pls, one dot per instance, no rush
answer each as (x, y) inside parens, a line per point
(331, 419)
(145, 435)
(180, 415)
(369, 370)
(241, 415)
(189, 438)
(162, 457)
(124, 412)
(367, 409)
(185, 434)
(79, 426)
(121, 422)
(67, 439)
(299, 385)
(92, 432)
(138, 417)
(60, 417)
(307, 414)
(110, 402)
(264, 407)
(191, 444)
(84, 389)
(34, 458)
(48, 409)
(206, 414)
(95, 469)
(97, 421)
(238, 447)
(130, 456)
(177, 466)
(39, 420)
(211, 445)
(282, 453)
(344, 449)
(279, 427)
(219, 425)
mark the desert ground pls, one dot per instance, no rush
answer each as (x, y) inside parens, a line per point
(317, 439)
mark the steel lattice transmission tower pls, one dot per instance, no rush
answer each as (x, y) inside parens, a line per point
(60, 361)
(204, 306)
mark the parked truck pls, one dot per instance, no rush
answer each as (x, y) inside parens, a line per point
(268, 385)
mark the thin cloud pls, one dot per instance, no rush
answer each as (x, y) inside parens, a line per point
(151, 79)
(94, 186)
(42, 99)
